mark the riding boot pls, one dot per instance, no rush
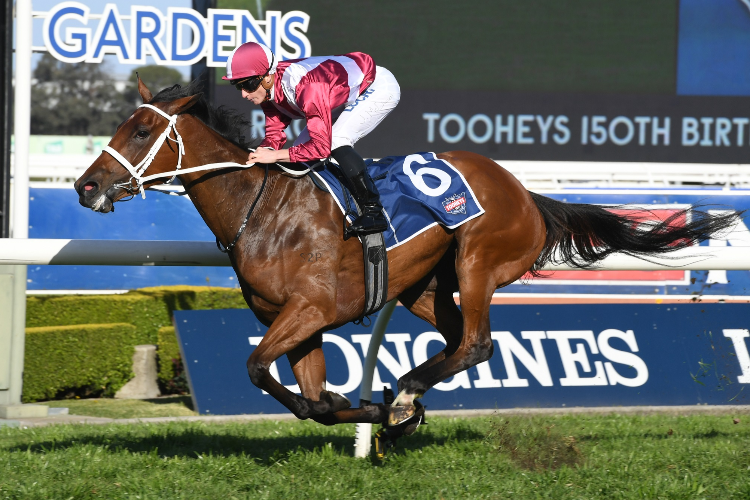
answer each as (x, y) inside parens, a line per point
(371, 220)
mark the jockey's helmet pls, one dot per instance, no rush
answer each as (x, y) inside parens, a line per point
(248, 64)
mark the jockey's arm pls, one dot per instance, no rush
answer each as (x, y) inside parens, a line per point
(268, 155)
(269, 150)
(276, 123)
(314, 100)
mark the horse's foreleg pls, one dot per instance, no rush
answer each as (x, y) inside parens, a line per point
(297, 322)
(309, 367)
(308, 364)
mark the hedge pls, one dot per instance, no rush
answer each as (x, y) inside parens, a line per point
(148, 309)
(148, 314)
(169, 352)
(92, 359)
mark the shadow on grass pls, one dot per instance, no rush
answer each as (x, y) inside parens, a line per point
(195, 443)
(184, 400)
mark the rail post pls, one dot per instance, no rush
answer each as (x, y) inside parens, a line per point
(363, 436)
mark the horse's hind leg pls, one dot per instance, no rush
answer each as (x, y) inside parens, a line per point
(438, 308)
(477, 279)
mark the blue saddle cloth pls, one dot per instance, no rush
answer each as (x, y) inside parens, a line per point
(417, 191)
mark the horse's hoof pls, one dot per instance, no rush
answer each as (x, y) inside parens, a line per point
(418, 418)
(400, 414)
(336, 402)
(383, 443)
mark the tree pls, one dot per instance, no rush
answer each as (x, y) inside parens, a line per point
(75, 99)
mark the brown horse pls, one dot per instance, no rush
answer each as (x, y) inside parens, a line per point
(300, 299)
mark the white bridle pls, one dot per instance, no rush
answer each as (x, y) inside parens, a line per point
(137, 171)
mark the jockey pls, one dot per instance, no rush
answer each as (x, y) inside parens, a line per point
(343, 98)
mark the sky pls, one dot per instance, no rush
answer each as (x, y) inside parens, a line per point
(123, 6)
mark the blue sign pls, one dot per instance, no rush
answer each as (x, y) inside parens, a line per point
(714, 48)
(545, 356)
(55, 213)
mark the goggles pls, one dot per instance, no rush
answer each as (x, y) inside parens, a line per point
(248, 84)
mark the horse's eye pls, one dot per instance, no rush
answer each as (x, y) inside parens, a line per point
(141, 134)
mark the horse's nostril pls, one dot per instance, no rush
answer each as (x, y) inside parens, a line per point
(89, 186)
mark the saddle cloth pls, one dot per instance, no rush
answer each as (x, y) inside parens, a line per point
(417, 191)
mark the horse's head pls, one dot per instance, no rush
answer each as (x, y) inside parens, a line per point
(138, 138)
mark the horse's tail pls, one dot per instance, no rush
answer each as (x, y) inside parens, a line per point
(581, 235)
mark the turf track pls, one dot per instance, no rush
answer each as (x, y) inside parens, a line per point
(488, 457)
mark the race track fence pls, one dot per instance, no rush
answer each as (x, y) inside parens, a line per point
(201, 253)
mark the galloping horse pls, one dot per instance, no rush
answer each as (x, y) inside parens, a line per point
(299, 299)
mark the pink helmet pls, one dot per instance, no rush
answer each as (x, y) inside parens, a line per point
(250, 59)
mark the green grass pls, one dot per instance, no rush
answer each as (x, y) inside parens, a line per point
(177, 406)
(571, 457)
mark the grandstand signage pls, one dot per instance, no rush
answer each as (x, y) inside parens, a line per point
(678, 129)
(180, 37)
(545, 356)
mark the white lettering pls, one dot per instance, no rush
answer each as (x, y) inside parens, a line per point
(740, 122)
(642, 121)
(584, 130)
(723, 127)
(353, 363)
(480, 139)
(452, 117)
(657, 131)
(544, 125)
(536, 364)
(570, 358)
(560, 125)
(431, 119)
(363, 340)
(690, 134)
(625, 358)
(707, 122)
(522, 129)
(740, 349)
(501, 129)
(598, 131)
(419, 352)
(621, 141)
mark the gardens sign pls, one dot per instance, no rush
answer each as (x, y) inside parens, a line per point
(181, 37)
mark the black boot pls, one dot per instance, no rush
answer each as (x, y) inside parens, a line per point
(372, 219)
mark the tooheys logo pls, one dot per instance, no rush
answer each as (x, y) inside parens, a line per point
(456, 204)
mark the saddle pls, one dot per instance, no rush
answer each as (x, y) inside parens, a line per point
(373, 250)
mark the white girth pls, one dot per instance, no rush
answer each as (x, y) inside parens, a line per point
(137, 171)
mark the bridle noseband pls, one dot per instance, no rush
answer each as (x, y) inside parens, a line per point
(136, 172)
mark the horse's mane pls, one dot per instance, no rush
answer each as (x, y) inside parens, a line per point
(227, 122)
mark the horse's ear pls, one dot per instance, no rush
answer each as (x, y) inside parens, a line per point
(180, 105)
(143, 90)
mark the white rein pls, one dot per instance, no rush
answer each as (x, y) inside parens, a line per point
(137, 171)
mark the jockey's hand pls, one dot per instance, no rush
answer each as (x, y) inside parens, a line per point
(263, 155)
